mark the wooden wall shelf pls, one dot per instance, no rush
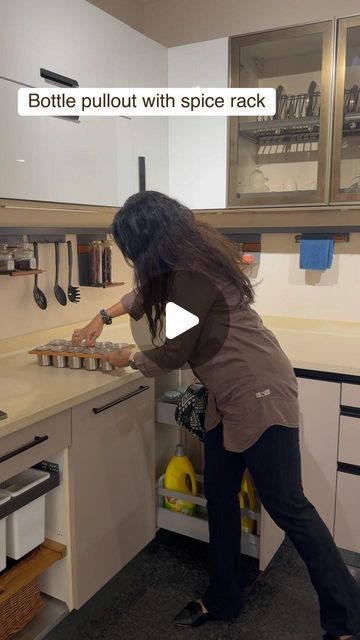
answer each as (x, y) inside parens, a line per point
(108, 285)
(17, 273)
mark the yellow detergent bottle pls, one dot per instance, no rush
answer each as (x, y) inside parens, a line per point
(180, 476)
(247, 499)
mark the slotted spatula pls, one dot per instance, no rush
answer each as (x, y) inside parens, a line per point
(73, 292)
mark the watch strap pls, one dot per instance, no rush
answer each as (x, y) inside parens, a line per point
(105, 316)
(131, 362)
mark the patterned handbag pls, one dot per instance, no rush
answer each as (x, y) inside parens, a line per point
(190, 411)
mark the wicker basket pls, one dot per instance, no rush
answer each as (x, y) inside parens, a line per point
(19, 609)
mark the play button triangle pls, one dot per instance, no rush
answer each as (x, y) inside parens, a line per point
(178, 320)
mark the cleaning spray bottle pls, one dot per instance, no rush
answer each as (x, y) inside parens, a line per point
(180, 476)
(247, 499)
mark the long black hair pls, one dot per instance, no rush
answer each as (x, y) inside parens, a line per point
(157, 234)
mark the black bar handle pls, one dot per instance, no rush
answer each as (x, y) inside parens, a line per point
(70, 260)
(59, 79)
(142, 173)
(36, 256)
(37, 440)
(351, 412)
(354, 469)
(142, 388)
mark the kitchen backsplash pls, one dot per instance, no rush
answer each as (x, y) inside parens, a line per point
(20, 313)
(285, 290)
(282, 288)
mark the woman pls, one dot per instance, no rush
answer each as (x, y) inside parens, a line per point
(252, 417)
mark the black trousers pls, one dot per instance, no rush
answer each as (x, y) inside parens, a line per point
(274, 463)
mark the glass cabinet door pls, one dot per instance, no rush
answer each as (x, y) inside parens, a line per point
(345, 182)
(282, 159)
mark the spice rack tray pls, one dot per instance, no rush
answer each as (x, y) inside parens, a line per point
(82, 355)
(97, 356)
(196, 526)
(17, 502)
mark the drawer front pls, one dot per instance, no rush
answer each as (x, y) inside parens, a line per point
(349, 440)
(347, 519)
(22, 449)
(112, 484)
(350, 395)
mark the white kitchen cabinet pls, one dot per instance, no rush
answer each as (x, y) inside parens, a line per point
(25, 448)
(56, 159)
(93, 161)
(71, 38)
(350, 395)
(83, 161)
(112, 484)
(151, 142)
(347, 521)
(47, 440)
(197, 145)
(25, 159)
(319, 428)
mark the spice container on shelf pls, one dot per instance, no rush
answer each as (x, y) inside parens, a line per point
(44, 359)
(106, 262)
(96, 263)
(24, 257)
(7, 263)
(74, 361)
(58, 357)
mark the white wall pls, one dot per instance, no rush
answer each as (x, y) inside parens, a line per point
(198, 145)
(285, 290)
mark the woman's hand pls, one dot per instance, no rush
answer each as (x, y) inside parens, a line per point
(88, 333)
(120, 357)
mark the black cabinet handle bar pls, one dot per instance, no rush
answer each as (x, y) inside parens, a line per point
(351, 412)
(354, 469)
(59, 79)
(122, 399)
(37, 440)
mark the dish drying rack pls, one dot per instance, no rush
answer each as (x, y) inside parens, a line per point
(297, 119)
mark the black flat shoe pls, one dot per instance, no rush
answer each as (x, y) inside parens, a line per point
(191, 616)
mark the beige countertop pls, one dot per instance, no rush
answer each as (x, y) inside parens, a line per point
(319, 345)
(29, 393)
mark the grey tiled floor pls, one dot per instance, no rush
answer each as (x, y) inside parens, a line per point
(140, 602)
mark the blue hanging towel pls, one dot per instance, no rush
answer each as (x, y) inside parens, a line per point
(316, 253)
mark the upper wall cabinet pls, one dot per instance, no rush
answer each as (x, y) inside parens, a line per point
(282, 159)
(56, 159)
(345, 186)
(92, 160)
(308, 153)
(69, 37)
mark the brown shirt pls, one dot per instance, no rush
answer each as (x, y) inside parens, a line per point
(250, 380)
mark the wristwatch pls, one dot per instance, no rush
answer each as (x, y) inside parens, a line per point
(131, 362)
(105, 316)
